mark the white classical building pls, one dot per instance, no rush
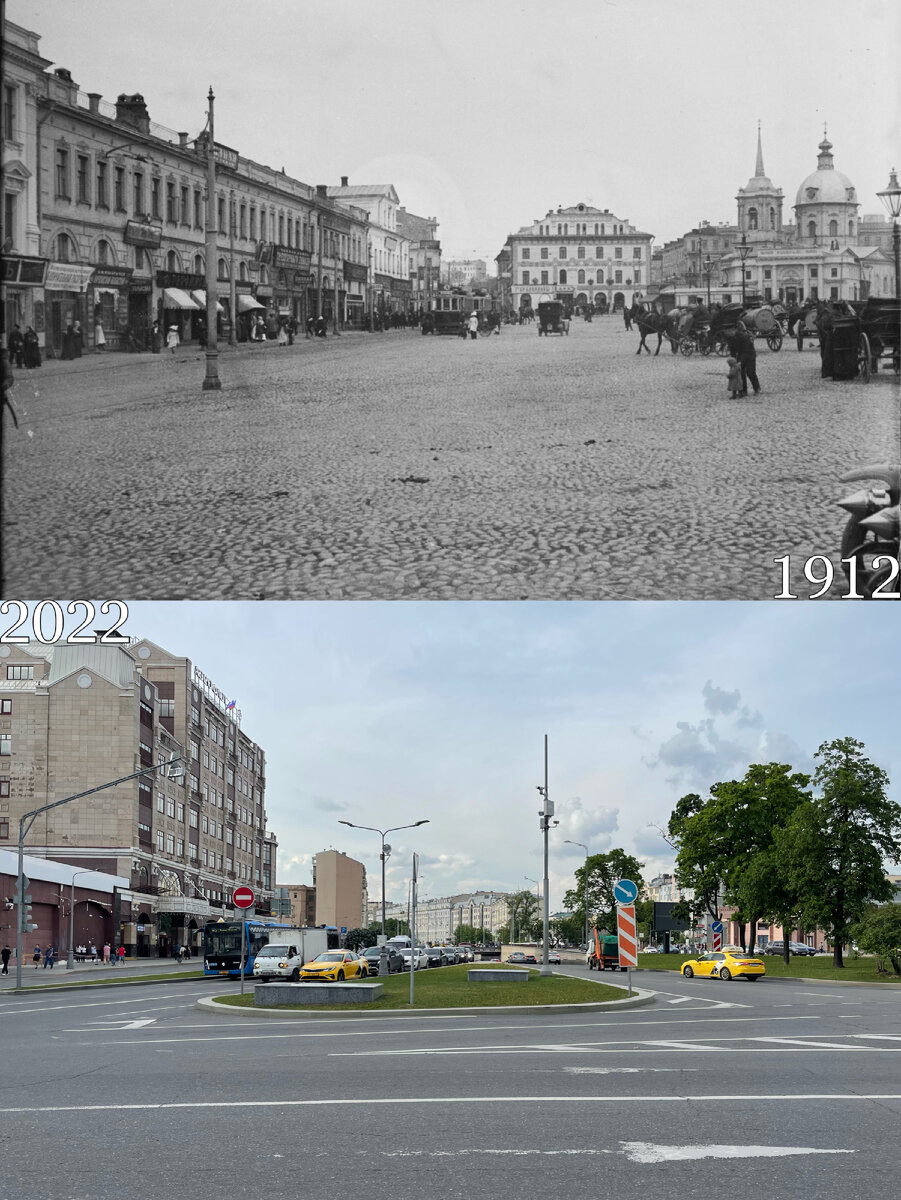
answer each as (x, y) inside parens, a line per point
(389, 250)
(438, 916)
(584, 256)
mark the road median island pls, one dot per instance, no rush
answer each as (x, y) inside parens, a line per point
(449, 990)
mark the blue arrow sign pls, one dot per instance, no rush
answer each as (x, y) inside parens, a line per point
(625, 891)
(717, 926)
(344, 929)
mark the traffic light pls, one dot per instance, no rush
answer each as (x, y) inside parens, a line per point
(23, 899)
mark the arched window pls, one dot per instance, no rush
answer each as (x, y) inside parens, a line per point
(833, 228)
(222, 269)
(104, 252)
(581, 277)
(242, 271)
(752, 218)
(198, 264)
(580, 253)
(172, 263)
(850, 229)
(264, 273)
(65, 249)
(563, 277)
(772, 218)
(600, 276)
(811, 229)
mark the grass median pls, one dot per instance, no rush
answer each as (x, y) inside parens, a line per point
(818, 967)
(449, 987)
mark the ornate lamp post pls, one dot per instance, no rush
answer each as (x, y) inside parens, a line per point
(743, 250)
(708, 271)
(891, 198)
(211, 380)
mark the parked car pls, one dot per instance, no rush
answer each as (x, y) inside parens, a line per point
(650, 950)
(468, 953)
(802, 949)
(373, 955)
(435, 957)
(450, 955)
(418, 955)
(517, 957)
(553, 956)
(530, 958)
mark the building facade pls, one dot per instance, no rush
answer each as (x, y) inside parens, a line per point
(465, 273)
(295, 902)
(585, 257)
(76, 717)
(388, 249)
(421, 236)
(340, 884)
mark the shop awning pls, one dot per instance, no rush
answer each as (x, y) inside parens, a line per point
(176, 298)
(199, 295)
(248, 304)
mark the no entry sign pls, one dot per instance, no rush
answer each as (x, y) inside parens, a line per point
(243, 897)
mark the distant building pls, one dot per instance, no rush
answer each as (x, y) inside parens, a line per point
(295, 902)
(421, 237)
(340, 887)
(663, 889)
(465, 272)
(389, 279)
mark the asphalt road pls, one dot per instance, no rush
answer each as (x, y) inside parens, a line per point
(398, 466)
(782, 1088)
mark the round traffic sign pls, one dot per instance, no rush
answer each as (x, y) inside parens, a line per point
(625, 891)
(242, 897)
(716, 926)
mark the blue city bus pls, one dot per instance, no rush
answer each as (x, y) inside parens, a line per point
(222, 944)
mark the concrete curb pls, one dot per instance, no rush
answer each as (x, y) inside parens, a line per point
(639, 1000)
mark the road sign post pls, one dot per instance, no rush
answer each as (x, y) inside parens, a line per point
(627, 941)
(243, 898)
(716, 935)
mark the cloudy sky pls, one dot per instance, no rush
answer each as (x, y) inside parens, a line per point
(488, 114)
(388, 713)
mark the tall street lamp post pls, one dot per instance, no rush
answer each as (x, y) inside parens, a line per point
(211, 381)
(891, 198)
(743, 250)
(70, 962)
(585, 848)
(385, 850)
(708, 270)
(544, 824)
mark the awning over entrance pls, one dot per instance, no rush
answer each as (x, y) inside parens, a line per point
(199, 295)
(248, 304)
(176, 298)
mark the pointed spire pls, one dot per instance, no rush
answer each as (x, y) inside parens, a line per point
(758, 169)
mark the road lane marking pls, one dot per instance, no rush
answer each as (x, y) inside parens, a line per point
(625, 1070)
(381, 1101)
(139, 1024)
(800, 1042)
(43, 1008)
(646, 1152)
(679, 1000)
(882, 1037)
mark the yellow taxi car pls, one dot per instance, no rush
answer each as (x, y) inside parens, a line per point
(334, 966)
(725, 964)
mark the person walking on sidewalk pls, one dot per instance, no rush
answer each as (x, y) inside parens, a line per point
(121, 956)
(5, 955)
(93, 952)
(474, 326)
(172, 338)
(48, 958)
(106, 952)
(36, 957)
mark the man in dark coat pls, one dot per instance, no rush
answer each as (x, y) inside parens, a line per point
(741, 346)
(16, 344)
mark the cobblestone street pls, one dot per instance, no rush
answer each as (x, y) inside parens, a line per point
(398, 466)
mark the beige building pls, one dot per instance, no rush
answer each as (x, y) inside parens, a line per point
(295, 902)
(76, 717)
(340, 884)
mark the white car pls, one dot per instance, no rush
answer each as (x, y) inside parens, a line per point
(419, 956)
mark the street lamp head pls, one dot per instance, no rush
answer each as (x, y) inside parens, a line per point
(891, 196)
(350, 823)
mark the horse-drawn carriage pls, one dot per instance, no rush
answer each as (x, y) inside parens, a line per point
(552, 318)
(866, 338)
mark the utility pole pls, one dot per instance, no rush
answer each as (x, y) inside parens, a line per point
(232, 289)
(211, 381)
(544, 822)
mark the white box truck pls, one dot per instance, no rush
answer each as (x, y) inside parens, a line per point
(287, 951)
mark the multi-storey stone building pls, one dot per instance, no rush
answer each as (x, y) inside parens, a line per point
(75, 717)
(340, 883)
(421, 236)
(586, 257)
(437, 917)
(389, 250)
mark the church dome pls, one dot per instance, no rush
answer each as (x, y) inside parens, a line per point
(825, 185)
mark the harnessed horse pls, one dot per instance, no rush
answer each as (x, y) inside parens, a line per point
(649, 321)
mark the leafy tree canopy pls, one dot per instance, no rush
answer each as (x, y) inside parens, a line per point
(603, 872)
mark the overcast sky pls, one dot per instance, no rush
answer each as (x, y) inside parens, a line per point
(488, 114)
(387, 713)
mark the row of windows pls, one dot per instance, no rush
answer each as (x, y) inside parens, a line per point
(13, 672)
(180, 203)
(600, 252)
(580, 230)
(563, 277)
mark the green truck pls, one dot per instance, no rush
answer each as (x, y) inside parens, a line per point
(603, 954)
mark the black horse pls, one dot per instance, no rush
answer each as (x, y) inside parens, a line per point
(650, 321)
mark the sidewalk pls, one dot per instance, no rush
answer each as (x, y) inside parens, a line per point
(132, 968)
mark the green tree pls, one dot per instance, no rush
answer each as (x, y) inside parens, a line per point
(834, 846)
(359, 939)
(603, 872)
(525, 922)
(468, 934)
(879, 932)
(569, 929)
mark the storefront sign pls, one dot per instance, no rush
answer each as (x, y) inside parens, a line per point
(243, 289)
(29, 271)
(287, 256)
(115, 277)
(67, 277)
(336, 224)
(180, 279)
(355, 272)
(140, 287)
(142, 233)
(214, 694)
(224, 155)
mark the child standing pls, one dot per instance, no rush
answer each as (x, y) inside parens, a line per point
(734, 383)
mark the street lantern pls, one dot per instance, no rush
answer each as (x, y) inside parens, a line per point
(743, 250)
(891, 198)
(708, 270)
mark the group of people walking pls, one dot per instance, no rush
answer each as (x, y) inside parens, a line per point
(24, 348)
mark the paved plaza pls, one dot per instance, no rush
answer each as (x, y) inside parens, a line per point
(395, 466)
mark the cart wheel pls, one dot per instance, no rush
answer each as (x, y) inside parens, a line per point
(686, 347)
(864, 360)
(721, 346)
(774, 339)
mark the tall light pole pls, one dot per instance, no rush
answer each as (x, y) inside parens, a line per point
(384, 854)
(544, 823)
(585, 881)
(70, 962)
(708, 268)
(891, 198)
(211, 381)
(743, 250)
(232, 289)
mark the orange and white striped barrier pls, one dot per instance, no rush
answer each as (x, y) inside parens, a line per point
(626, 937)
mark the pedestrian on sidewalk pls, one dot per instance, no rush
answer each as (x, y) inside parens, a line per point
(282, 333)
(93, 952)
(48, 958)
(36, 957)
(172, 338)
(156, 337)
(106, 952)
(121, 956)
(5, 955)
(32, 348)
(741, 346)
(292, 329)
(474, 326)
(8, 383)
(99, 335)
(77, 339)
(16, 344)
